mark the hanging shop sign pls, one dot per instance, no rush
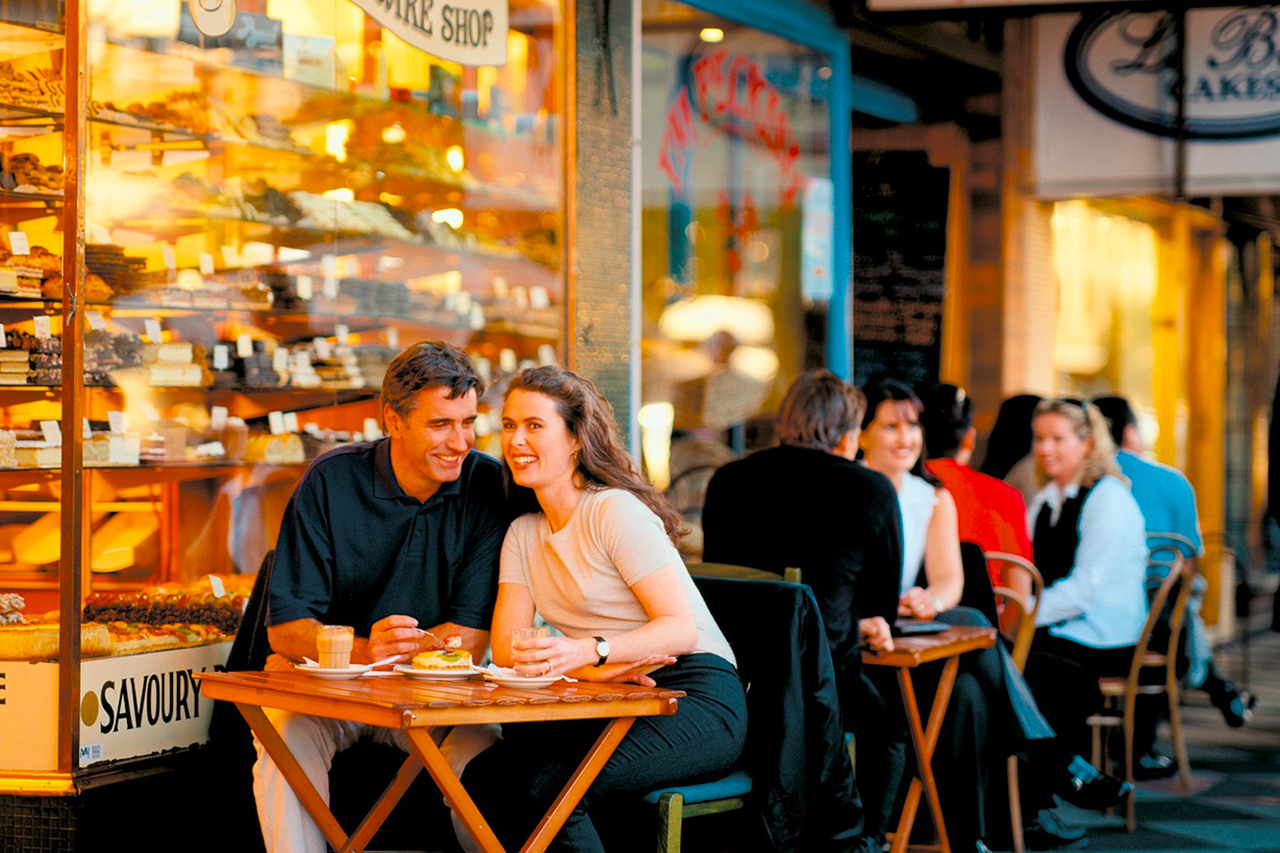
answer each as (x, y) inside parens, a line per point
(1107, 106)
(469, 32)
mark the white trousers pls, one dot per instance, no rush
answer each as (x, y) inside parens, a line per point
(286, 826)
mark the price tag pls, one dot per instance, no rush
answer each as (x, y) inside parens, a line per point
(206, 263)
(393, 337)
(221, 357)
(229, 255)
(324, 351)
(84, 428)
(275, 421)
(215, 584)
(218, 418)
(42, 328)
(170, 260)
(329, 264)
(499, 287)
(538, 297)
(311, 428)
(371, 430)
(463, 305)
(52, 431)
(18, 243)
(507, 361)
(304, 287)
(95, 320)
(153, 331)
(244, 345)
(290, 421)
(115, 421)
(521, 296)
(280, 360)
(9, 280)
(4, 338)
(343, 333)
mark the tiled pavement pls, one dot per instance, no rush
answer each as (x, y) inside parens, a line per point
(1234, 801)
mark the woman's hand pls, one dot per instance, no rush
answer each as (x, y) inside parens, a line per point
(919, 603)
(553, 655)
(633, 672)
(876, 632)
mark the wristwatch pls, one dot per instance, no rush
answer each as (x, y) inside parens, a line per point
(602, 649)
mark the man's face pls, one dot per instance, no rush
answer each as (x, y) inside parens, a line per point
(435, 437)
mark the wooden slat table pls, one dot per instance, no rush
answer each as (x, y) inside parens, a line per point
(909, 653)
(413, 705)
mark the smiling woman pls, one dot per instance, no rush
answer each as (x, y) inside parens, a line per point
(599, 563)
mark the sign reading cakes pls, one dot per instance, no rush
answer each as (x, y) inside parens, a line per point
(469, 32)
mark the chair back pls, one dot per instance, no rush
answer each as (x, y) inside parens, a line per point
(795, 750)
(728, 570)
(1154, 610)
(1020, 626)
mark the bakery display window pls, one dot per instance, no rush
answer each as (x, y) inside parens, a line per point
(268, 213)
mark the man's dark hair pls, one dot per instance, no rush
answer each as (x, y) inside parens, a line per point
(1119, 414)
(427, 364)
(818, 410)
(947, 417)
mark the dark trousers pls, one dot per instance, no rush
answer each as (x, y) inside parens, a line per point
(1063, 676)
(883, 744)
(515, 781)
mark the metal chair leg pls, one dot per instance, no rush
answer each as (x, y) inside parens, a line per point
(670, 816)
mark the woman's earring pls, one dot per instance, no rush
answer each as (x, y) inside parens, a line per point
(573, 457)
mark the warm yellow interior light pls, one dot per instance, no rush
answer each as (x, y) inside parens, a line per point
(453, 156)
(391, 199)
(450, 216)
(655, 421)
(336, 134)
(394, 134)
(340, 194)
(711, 35)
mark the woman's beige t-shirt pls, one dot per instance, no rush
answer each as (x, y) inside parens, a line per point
(581, 577)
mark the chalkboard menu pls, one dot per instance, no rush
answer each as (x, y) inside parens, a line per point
(899, 257)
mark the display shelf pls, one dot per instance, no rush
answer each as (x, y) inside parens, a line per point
(17, 112)
(44, 198)
(18, 40)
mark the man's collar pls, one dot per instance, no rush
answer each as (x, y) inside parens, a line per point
(387, 487)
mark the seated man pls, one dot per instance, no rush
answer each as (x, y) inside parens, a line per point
(1168, 505)
(390, 537)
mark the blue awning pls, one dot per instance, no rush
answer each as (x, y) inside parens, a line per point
(882, 101)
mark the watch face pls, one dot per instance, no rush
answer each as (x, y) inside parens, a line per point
(602, 648)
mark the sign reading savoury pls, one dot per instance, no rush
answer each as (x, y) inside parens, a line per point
(899, 258)
(469, 32)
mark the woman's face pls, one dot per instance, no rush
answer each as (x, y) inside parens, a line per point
(536, 441)
(1059, 450)
(892, 442)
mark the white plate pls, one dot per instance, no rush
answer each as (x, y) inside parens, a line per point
(331, 674)
(435, 674)
(522, 681)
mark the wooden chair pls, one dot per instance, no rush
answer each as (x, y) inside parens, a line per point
(1018, 622)
(1122, 693)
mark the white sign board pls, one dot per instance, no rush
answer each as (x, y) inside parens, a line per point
(1105, 113)
(130, 705)
(468, 32)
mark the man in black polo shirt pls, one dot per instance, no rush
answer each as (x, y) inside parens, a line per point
(391, 537)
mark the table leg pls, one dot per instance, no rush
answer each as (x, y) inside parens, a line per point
(925, 740)
(294, 775)
(382, 809)
(451, 786)
(578, 784)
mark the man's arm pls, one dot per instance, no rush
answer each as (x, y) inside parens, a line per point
(392, 636)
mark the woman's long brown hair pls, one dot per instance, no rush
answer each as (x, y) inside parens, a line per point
(603, 461)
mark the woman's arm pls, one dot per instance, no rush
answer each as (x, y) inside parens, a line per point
(670, 631)
(942, 566)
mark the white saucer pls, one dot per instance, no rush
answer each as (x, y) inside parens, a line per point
(434, 674)
(332, 674)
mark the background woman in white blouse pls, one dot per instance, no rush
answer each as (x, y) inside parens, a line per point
(1088, 539)
(599, 563)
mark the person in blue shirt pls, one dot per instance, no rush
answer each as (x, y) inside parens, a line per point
(1168, 504)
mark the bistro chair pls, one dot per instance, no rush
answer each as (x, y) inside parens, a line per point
(793, 761)
(1018, 622)
(742, 573)
(1121, 694)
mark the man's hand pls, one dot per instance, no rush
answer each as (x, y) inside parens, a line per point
(393, 635)
(278, 663)
(875, 630)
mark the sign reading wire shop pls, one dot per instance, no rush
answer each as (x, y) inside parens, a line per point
(1107, 101)
(469, 32)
